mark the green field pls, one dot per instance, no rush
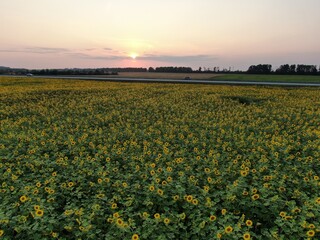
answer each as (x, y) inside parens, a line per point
(220, 76)
(101, 160)
(268, 78)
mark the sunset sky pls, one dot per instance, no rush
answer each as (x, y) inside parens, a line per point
(143, 33)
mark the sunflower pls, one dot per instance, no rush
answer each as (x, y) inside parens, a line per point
(282, 214)
(288, 217)
(23, 198)
(54, 234)
(255, 197)
(39, 213)
(244, 173)
(296, 210)
(166, 220)
(51, 191)
(114, 206)
(36, 207)
(223, 211)
(310, 233)
(245, 193)
(212, 218)
(246, 236)
(160, 192)
(1, 233)
(249, 223)
(195, 201)
(151, 188)
(176, 198)
(157, 216)
(228, 229)
(135, 237)
(312, 226)
(189, 198)
(119, 222)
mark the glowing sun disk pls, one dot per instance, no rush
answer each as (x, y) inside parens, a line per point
(133, 55)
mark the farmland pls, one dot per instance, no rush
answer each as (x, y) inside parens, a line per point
(268, 78)
(99, 160)
(220, 76)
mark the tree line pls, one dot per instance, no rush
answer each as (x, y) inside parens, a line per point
(171, 69)
(285, 69)
(70, 71)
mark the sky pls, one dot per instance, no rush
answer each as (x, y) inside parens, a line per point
(142, 33)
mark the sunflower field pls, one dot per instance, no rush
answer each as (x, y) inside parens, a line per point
(101, 160)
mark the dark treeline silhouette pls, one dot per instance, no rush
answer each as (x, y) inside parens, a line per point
(70, 71)
(297, 69)
(171, 69)
(260, 69)
(286, 69)
(86, 71)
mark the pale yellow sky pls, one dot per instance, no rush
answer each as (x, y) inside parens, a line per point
(207, 33)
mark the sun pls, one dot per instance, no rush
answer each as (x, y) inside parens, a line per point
(133, 56)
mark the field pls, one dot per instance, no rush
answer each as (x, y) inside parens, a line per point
(153, 75)
(99, 160)
(231, 77)
(269, 78)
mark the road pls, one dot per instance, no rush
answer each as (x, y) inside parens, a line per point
(212, 82)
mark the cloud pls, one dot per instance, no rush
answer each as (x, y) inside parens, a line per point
(114, 55)
(108, 57)
(38, 50)
(178, 58)
(44, 50)
(150, 57)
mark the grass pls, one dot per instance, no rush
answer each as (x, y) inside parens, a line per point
(168, 75)
(214, 76)
(268, 78)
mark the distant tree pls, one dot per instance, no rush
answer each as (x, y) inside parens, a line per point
(200, 69)
(306, 69)
(283, 69)
(174, 69)
(293, 69)
(151, 69)
(260, 69)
